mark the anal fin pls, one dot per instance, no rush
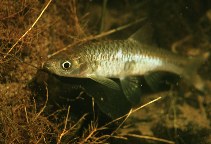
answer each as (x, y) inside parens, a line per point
(111, 102)
(154, 80)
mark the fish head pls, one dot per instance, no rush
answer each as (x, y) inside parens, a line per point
(67, 65)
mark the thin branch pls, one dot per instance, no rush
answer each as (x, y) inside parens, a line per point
(15, 57)
(132, 111)
(125, 118)
(29, 28)
(65, 126)
(98, 36)
(26, 114)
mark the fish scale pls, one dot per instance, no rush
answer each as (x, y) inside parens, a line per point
(109, 58)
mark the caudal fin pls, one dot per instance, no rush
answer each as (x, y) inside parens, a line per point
(191, 72)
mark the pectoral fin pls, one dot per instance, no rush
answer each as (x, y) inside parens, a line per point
(132, 89)
(106, 82)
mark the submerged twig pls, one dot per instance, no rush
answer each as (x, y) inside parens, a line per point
(64, 131)
(132, 111)
(30, 28)
(106, 137)
(98, 36)
(103, 14)
(26, 115)
(134, 135)
(21, 61)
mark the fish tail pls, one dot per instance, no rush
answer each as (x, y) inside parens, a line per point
(193, 65)
(190, 72)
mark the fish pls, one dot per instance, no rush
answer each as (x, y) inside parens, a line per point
(125, 60)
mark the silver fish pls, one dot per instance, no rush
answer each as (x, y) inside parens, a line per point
(122, 59)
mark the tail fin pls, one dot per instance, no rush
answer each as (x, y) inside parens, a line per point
(193, 66)
(190, 72)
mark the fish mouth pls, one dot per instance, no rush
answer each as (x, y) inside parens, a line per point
(46, 66)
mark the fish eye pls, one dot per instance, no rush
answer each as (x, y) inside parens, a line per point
(66, 65)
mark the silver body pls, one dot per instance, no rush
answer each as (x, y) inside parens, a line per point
(117, 59)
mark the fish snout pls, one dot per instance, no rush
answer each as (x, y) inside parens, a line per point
(46, 66)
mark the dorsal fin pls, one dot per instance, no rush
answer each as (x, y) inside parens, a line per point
(144, 35)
